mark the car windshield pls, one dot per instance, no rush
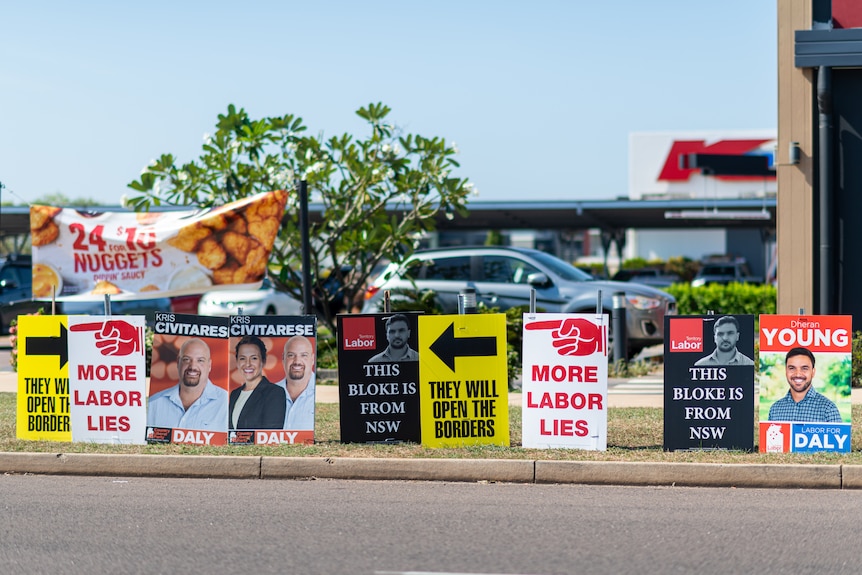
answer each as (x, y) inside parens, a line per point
(561, 268)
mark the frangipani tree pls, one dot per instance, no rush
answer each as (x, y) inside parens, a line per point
(379, 193)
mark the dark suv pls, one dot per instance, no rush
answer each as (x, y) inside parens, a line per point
(16, 293)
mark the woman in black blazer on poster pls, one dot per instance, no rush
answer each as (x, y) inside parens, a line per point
(258, 404)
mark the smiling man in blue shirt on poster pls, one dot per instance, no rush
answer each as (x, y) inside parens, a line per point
(195, 402)
(802, 402)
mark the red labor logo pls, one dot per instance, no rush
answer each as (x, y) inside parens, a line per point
(115, 337)
(686, 334)
(359, 333)
(572, 336)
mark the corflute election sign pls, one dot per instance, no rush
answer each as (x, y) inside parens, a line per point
(378, 377)
(565, 381)
(107, 378)
(709, 382)
(43, 378)
(272, 379)
(188, 400)
(805, 373)
(464, 389)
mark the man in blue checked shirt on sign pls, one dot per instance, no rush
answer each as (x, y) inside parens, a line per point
(195, 402)
(802, 402)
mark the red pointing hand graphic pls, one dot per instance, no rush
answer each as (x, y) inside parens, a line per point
(572, 336)
(114, 337)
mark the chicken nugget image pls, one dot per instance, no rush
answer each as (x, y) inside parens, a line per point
(210, 254)
(272, 206)
(237, 245)
(189, 237)
(216, 222)
(225, 274)
(264, 230)
(42, 215)
(254, 266)
(44, 235)
(280, 198)
(238, 224)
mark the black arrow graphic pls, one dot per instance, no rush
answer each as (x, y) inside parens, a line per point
(51, 345)
(447, 347)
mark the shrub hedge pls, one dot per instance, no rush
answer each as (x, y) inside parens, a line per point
(735, 298)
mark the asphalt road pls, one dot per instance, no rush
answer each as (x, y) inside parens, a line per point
(105, 525)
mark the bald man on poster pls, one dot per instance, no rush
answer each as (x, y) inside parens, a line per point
(298, 360)
(195, 402)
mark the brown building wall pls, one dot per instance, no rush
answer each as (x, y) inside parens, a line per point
(794, 213)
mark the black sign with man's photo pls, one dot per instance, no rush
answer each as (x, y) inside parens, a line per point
(709, 382)
(378, 375)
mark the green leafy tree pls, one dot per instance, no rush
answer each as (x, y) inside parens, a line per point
(379, 193)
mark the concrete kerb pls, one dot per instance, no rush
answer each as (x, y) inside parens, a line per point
(851, 476)
(694, 474)
(469, 470)
(455, 470)
(132, 465)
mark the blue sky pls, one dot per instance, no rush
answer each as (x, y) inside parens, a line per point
(539, 96)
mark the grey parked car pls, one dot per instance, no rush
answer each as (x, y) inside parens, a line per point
(503, 276)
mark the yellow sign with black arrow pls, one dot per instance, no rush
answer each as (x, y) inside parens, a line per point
(43, 378)
(464, 384)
